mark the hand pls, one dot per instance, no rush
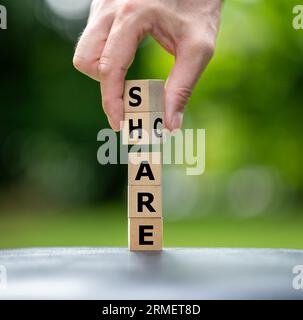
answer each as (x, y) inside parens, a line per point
(185, 28)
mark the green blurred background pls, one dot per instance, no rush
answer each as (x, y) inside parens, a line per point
(53, 192)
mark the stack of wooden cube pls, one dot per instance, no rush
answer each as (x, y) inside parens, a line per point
(143, 124)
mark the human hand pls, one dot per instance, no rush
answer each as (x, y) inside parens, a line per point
(185, 28)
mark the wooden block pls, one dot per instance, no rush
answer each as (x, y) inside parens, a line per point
(144, 169)
(145, 234)
(144, 202)
(144, 96)
(142, 128)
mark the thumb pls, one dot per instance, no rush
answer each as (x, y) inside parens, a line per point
(190, 63)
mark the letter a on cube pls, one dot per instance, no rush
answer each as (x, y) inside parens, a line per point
(144, 169)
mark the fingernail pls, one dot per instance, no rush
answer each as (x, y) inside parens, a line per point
(113, 124)
(177, 120)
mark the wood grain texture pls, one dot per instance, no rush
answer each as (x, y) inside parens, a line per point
(145, 234)
(144, 169)
(143, 96)
(142, 128)
(144, 201)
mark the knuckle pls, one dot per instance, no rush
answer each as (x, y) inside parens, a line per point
(104, 67)
(129, 7)
(182, 95)
(79, 63)
(209, 47)
(205, 46)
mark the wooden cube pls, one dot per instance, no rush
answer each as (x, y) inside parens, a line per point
(144, 96)
(144, 169)
(145, 234)
(144, 202)
(142, 128)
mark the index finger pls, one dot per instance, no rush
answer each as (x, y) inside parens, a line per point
(117, 56)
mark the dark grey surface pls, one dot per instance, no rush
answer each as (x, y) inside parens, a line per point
(116, 273)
